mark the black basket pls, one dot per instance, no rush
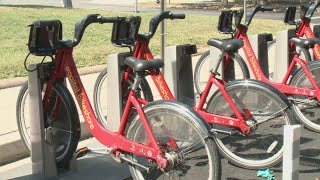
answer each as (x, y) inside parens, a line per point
(290, 15)
(124, 32)
(44, 37)
(225, 22)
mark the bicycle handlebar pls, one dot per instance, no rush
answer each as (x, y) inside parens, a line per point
(267, 9)
(177, 16)
(311, 7)
(94, 18)
(154, 22)
(249, 15)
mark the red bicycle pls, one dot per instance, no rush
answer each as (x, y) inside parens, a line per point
(164, 139)
(301, 86)
(303, 28)
(248, 116)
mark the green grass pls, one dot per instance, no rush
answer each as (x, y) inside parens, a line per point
(95, 45)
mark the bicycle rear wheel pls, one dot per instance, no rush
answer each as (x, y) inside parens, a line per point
(169, 119)
(203, 67)
(62, 125)
(100, 95)
(270, 111)
(307, 110)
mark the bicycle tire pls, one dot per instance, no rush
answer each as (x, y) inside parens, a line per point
(101, 82)
(200, 84)
(20, 109)
(174, 119)
(267, 105)
(305, 114)
(68, 109)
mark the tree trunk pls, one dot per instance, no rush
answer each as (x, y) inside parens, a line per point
(67, 3)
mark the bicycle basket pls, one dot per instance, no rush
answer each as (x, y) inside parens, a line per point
(44, 37)
(225, 22)
(290, 15)
(124, 32)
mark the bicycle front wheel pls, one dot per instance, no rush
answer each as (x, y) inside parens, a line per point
(167, 120)
(236, 68)
(100, 95)
(269, 110)
(306, 109)
(61, 121)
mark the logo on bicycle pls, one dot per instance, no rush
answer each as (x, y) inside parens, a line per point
(80, 97)
(146, 57)
(309, 34)
(162, 88)
(250, 56)
(159, 81)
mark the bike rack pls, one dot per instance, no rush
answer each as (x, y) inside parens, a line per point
(178, 72)
(114, 114)
(281, 59)
(291, 146)
(42, 152)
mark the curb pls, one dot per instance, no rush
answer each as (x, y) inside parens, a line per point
(13, 149)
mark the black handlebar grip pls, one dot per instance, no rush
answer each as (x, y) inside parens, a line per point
(177, 16)
(108, 19)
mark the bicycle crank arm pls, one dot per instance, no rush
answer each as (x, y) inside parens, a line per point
(124, 158)
(213, 130)
(85, 150)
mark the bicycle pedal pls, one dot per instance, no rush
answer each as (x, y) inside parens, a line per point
(81, 152)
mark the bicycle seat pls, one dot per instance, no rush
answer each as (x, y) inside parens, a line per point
(142, 65)
(226, 45)
(305, 42)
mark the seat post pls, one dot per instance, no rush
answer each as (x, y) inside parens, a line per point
(216, 64)
(137, 80)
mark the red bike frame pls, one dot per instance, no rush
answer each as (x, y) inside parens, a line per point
(64, 66)
(283, 86)
(305, 30)
(142, 51)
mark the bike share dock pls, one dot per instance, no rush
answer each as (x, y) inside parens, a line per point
(103, 167)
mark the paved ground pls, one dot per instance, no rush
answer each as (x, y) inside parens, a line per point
(104, 167)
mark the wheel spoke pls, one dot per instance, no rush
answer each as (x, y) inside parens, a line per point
(274, 115)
